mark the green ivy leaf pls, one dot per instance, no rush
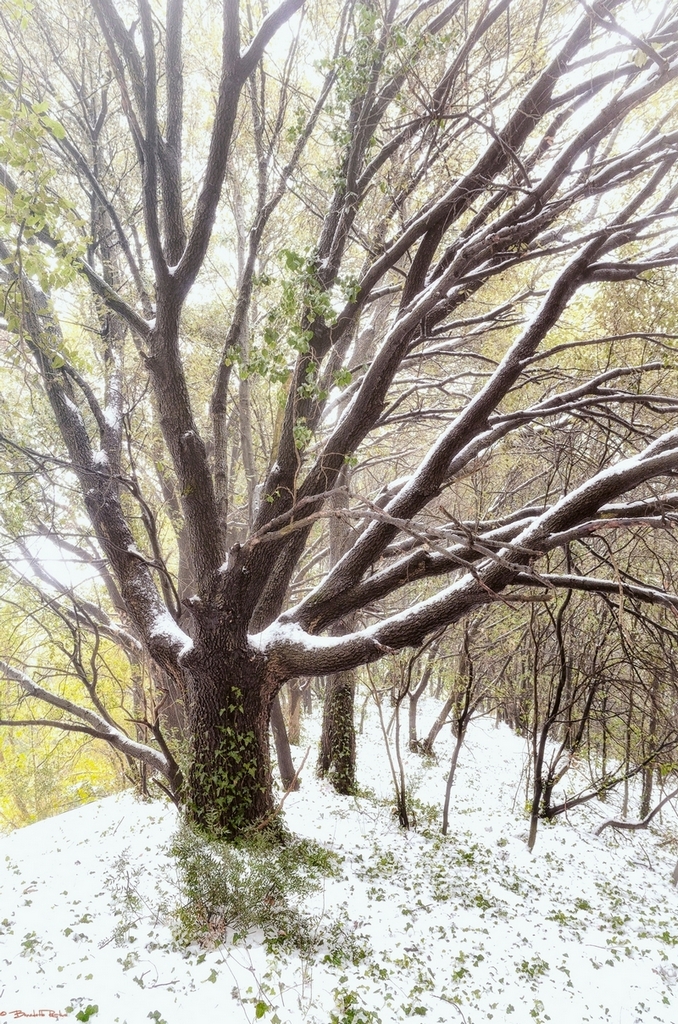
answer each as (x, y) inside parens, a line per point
(88, 1012)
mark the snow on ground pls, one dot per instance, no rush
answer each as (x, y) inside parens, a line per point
(470, 928)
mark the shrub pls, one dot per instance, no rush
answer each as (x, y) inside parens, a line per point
(260, 882)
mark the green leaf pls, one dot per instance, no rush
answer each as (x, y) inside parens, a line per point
(88, 1012)
(343, 377)
(260, 1009)
(292, 260)
(57, 130)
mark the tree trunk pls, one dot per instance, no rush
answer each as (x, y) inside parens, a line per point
(337, 753)
(650, 737)
(646, 792)
(627, 756)
(461, 733)
(282, 748)
(228, 708)
(468, 708)
(337, 743)
(427, 746)
(294, 715)
(412, 722)
(171, 705)
(414, 703)
(401, 789)
(603, 752)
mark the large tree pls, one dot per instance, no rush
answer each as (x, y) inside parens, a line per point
(356, 236)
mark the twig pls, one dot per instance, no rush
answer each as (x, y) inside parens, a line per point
(274, 814)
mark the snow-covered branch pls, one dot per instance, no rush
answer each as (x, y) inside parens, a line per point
(293, 649)
(98, 725)
(594, 585)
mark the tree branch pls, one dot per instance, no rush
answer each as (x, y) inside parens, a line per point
(268, 28)
(98, 725)
(633, 825)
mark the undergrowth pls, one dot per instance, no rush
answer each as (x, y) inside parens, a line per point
(230, 888)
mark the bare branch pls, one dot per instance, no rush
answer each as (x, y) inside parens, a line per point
(99, 726)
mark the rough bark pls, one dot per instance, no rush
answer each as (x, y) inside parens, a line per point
(337, 755)
(228, 709)
(521, 196)
(338, 744)
(646, 791)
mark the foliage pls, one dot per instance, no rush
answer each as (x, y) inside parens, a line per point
(228, 889)
(89, 1011)
(42, 774)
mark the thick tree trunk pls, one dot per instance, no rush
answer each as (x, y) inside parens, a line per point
(228, 708)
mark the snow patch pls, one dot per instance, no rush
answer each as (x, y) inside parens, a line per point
(292, 633)
(73, 408)
(165, 626)
(112, 417)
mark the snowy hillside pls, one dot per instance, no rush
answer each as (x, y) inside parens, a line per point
(470, 928)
